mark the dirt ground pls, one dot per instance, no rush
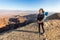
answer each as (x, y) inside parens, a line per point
(30, 32)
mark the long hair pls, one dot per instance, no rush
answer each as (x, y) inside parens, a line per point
(42, 10)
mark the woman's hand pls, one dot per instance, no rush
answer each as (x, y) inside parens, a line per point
(40, 21)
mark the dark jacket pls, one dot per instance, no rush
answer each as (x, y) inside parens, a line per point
(40, 17)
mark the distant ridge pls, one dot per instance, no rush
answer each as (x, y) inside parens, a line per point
(54, 16)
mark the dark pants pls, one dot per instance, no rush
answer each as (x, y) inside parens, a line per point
(42, 24)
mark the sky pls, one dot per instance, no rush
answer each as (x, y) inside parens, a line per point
(47, 5)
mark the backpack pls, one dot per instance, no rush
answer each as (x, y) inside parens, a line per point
(45, 15)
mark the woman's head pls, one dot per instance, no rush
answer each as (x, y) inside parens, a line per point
(41, 10)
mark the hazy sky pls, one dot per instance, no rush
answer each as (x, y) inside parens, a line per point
(48, 5)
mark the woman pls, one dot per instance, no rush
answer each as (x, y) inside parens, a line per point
(40, 20)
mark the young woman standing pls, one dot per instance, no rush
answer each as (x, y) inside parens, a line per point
(40, 20)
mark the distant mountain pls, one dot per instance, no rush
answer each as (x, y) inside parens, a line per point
(54, 16)
(16, 12)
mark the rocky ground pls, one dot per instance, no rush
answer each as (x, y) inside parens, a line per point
(30, 32)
